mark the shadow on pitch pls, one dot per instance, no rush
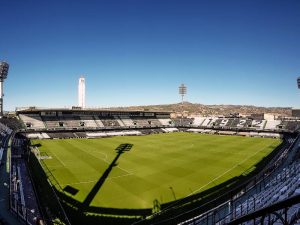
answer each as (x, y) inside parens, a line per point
(78, 211)
(122, 148)
(70, 190)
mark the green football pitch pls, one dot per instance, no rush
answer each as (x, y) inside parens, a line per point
(159, 167)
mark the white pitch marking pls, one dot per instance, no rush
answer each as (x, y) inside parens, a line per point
(58, 159)
(93, 181)
(105, 160)
(221, 174)
(120, 176)
(123, 169)
(53, 167)
(228, 170)
(105, 155)
(83, 182)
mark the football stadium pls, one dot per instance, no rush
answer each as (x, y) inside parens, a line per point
(149, 112)
(96, 166)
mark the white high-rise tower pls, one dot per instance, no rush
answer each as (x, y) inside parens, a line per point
(81, 92)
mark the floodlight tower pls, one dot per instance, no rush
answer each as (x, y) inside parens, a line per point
(3, 75)
(182, 92)
(298, 82)
(81, 92)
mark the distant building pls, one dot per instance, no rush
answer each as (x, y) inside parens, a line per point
(81, 92)
(269, 116)
(296, 112)
(257, 116)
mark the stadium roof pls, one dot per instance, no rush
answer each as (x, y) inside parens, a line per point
(78, 109)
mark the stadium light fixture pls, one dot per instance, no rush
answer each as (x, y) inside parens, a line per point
(4, 66)
(298, 82)
(182, 92)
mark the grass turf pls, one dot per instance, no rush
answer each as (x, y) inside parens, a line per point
(158, 167)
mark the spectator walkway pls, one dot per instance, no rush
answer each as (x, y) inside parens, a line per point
(6, 217)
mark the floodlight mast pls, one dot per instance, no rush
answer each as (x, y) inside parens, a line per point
(4, 66)
(182, 92)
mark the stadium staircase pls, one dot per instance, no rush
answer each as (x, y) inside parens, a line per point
(198, 121)
(98, 121)
(127, 121)
(117, 118)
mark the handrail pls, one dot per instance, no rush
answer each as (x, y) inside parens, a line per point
(267, 210)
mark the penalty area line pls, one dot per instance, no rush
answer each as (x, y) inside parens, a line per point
(59, 159)
(93, 181)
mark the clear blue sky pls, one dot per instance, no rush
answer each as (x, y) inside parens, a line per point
(137, 52)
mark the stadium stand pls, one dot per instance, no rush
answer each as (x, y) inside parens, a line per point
(9, 124)
(210, 122)
(230, 123)
(80, 134)
(98, 122)
(235, 122)
(282, 186)
(87, 121)
(154, 122)
(23, 199)
(110, 122)
(165, 122)
(127, 121)
(32, 121)
(183, 122)
(220, 122)
(61, 135)
(66, 119)
(140, 122)
(52, 122)
(291, 125)
(288, 124)
(206, 122)
(244, 123)
(272, 124)
(120, 122)
(259, 124)
(198, 121)
(69, 120)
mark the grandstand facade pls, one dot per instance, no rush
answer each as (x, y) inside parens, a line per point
(34, 119)
(37, 119)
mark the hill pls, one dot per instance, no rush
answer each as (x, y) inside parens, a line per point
(196, 108)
